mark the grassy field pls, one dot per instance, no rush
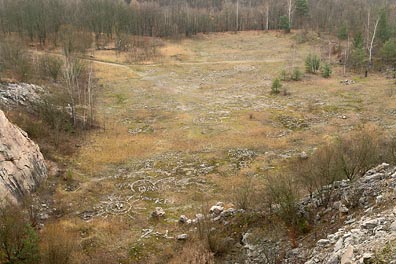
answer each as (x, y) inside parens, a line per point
(173, 130)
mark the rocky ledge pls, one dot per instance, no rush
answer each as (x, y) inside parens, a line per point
(22, 166)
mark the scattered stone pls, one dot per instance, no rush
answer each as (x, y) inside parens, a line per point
(343, 209)
(227, 213)
(370, 224)
(393, 227)
(323, 242)
(43, 216)
(347, 82)
(182, 237)
(216, 210)
(183, 219)
(158, 213)
(367, 258)
(379, 199)
(347, 257)
(303, 155)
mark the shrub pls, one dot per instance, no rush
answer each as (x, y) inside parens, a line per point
(50, 67)
(296, 74)
(326, 71)
(356, 153)
(312, 63)
(74, 40)
(284, 195)
(18, 240)
(276, 86)
(14, 58)
(246, 195)
(317, 172)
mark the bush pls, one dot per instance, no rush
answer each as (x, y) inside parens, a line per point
(18, 240)
(74, 40)
(326, 71)
(317, 172)
(246, 195)
(312, 63)
(14, 58)
(276, 86)
(50, 67)
(283, 194)
(356, 153)
(296, 74)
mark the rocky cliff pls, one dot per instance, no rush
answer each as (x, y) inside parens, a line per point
(22, 166)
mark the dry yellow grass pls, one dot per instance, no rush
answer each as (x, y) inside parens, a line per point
(114, 146)
(209, 94)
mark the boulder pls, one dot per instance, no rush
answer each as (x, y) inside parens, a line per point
(182, 237)
(158, 212)
(216, 210)
(22, 166)
(347, 257)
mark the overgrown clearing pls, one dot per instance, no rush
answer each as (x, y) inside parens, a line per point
(186, 130)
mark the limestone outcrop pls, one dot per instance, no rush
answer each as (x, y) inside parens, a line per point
(22, 166)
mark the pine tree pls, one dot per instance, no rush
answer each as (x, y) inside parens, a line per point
(284, 24)
(383, 30)
(388, 52)
(343, 32)
(302, 8)
(358, 41)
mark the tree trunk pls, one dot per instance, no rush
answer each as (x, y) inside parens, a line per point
(370, 60)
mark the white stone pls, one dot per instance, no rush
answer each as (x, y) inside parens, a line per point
(182, 237)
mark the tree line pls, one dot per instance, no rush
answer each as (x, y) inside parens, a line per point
(42, 20)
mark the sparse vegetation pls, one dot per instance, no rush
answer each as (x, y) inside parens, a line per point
(326, 71)
(15, 59)
(312, 63)
(19, 242)
(50, 67)
(297, 74)
(276, 86)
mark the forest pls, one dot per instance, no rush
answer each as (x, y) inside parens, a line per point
(42, 20)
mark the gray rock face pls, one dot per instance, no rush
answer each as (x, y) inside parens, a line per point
(22, 166)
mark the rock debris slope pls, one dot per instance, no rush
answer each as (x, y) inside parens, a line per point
(364, 213)
(23, 95)
(22, 166)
